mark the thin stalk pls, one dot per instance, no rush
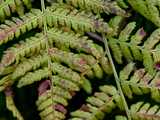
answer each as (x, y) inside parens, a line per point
(47, 49)
(108, 53)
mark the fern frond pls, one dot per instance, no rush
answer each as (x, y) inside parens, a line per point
(139, 82)
(115, 24)
(7, 7)
(121, 47)
(32, 77)
(18, 26)
(61, 40)
(98, 105)
(144, 111)
(148, 9)
(128, 46)
(11, 105)
(80, 62)
(5, 82)
(66, 84)
(53, 107)
(29, 65)
(94, 64)
(57, 68)
(78, 21)
(97, 6)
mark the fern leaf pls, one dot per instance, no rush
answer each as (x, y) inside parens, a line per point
(148, 62)
(98, 6)
(115, 23)
(63, 90)
(5, 82)
(121, 48)
(128, 46)
(147, 8)
(122, 4)
(74, 61)
(29, 64)
(125, 33)
(35, 44)
(61, 71)
(57, 68)
(17, 26)
(66, 84)
(11, 105)
(98, 105)
(144, 111)
(7, 7)
(126, 52)
(124, 36)
(78, 21)
(48, 109)
(94, 64)
(116, 50)
(32, 77)
(80, 62)
(152, 40)
(139, 82)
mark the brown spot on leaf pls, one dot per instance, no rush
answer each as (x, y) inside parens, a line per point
(72, 93)
(8, 91)
(44, 86)
(2, 35)
(157, 66)
(8, 58)
(142, 32)
(157, 83)
(52, 51)
(82, 61)
(146, 79)
(84, 108)
(60, 108)
(140, 73)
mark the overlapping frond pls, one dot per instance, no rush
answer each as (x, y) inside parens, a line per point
(77, 53)
(98, 105)
(129, 47)
(139, 82)
(78, 21)
(144, 111)
(97, 6)
(80, 62)
(17, 26)
(62, 40)
(147, 8)
(7, 7)
(54, 107)
(44, 73)
(11, 105)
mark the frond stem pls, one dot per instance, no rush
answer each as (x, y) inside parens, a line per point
(47, 49)
(108, 53)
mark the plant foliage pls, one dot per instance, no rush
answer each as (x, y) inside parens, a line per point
(80, 59)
